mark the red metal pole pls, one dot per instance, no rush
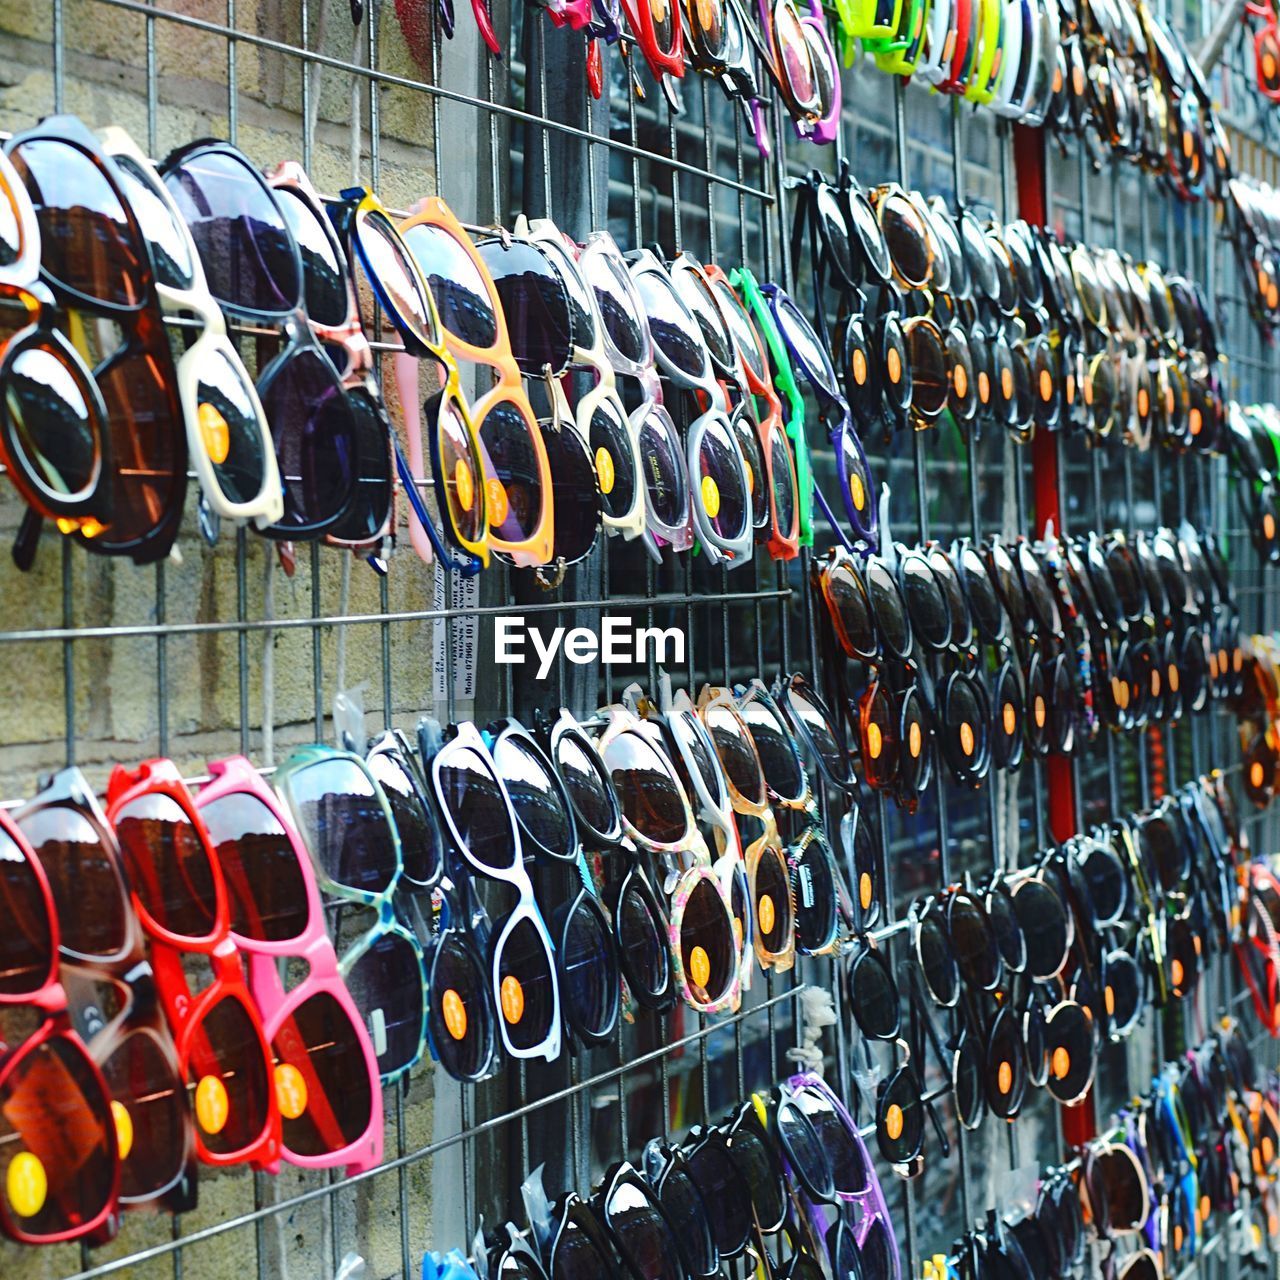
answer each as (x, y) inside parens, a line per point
(1079, 1124)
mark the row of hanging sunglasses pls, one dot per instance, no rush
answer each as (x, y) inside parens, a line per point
(945, 312)
(1197, 1154)
(1253, 438)
(1110, 72)
(243, 1071)
(783, 1187)
(306, 450)
(984, 651)
(1258, 709)
(1253, 226)
(1044, 965)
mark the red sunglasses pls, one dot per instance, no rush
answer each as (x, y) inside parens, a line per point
(326, 1072)
(182, 901)
(102, 948)
(59, 1159)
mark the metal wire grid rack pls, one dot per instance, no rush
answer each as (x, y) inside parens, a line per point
(530, 141)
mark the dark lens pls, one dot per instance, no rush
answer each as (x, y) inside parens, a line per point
(1045, 925)
(511, 463)
(1108, 888)
(725, 1194)
(526, 984)
(929, 382)
(930, 618)
(534, 795)
(324, 274)
(692, 287)
(737, 752)
(260, 867)
(245, 246)
(981, 594)
(1166, 851)
(461, 469)
(473, 800)
(900, 1118)
(461, 1019)
(1116, 1190)
(53, 1111)
(1006, 1064)
(616, 301)
(690, 733)
(340, 817)
(87, 890)
(229, 1053)
(460, 293)
(887, 607)
(315, 436)
(582, 1250)
(52, 428)
(165, 240)
(904, 233)
(580, 773)
(641, 946)
(1035, 1044)
(1069, 1042)
(972, 942)
(420, 838)
(874, 996)
(392, 275)
(641, 1231)
(805, 1152)
(664, 468)
(675, 331)
(879, 1256)
(239, 458)
(168, 865)
(1123, 992)
(821, 736)
(752, 1158)
(813, 878)
(86, 243)
(610, 443)
(784, 483)
(534, 302)
(588, 969)
(141, 1078)
(801, 337)
(386, 983)
(773, 920)
(782, 769)
(720, 479)
(848, 599)
(936, 958)
(318, 1041)
(708, 949)
(970, 1075)
(688, 1217)
(857, 475)
(842, 1147)
(740, 326)
(26, 944)
(1007, 930)
(651, 798)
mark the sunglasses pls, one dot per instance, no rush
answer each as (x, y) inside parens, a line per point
(49, 1082)
(182, 902)
(121, 335)
(343, 816)
(326, 1072)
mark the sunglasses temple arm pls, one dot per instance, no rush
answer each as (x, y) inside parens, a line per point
(28, 539)
(830, 516)
(467, 568)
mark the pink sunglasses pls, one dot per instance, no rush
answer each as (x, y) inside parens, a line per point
(326, 1072)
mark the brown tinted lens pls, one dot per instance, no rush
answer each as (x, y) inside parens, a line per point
(87, 889)
(228, 1067)
(316, 1048)
(56, 1132)
(929, 383)
(26, 940)
(847, 600)
(141, 1077)
(512, 473)
(86, 242)
(168, 865)
(879, 737)
(260, 867)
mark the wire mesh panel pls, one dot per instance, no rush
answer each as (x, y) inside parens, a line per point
(230, 646)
